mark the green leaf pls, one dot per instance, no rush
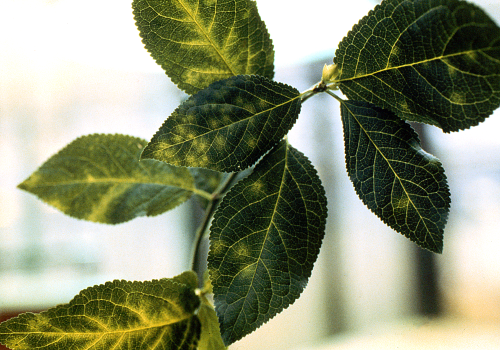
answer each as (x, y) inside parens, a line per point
(403, 185)
(158, 314)
(264, 240)
(210, 336)
(99, 178)
(198, 42)
(430, 61)
(228, 126)
(206, 180)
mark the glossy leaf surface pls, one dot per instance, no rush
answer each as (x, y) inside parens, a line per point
(402, 184)
(264, 240)
(158, 314)
(431, 61)
(198, 42)
(228, 126)
(99, 178)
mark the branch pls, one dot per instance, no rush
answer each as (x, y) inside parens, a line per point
(214, 200)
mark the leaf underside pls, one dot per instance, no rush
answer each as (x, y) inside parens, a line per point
(198, 42)
(402, 184)
(264, 240)
(430, 61)
(99, 178)
(158, 314)
(227, 126)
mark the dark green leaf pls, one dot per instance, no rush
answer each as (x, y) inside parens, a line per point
(430, 61)
(264, 240)
(403, 185)
(158, 314)
(99, 178)
(228, 126)
(198, 42)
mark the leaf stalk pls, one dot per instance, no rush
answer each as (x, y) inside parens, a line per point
(214, 200)
(316, 89)
(329, 92)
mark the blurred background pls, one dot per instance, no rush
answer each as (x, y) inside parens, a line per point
(70, 68)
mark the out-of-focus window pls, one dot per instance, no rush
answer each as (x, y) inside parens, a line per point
(68, 69)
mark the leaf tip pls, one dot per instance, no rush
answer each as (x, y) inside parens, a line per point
(23, 185)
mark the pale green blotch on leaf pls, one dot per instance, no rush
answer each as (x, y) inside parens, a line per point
(433, 62)
(252, 114)
(198, 42)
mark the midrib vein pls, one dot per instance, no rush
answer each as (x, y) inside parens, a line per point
(207, 36)
(438, 58)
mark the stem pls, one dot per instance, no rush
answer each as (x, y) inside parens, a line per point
(225, 185)
(313, 90)
(316, 89)
(200, 233)
(329, 92)
(214, 200)
(201, 193)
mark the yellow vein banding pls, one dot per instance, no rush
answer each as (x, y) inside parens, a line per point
(207, 36)
(438, 58)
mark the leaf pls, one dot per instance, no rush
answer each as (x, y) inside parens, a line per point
(206, 180)
(198, 42)
(430, 61)
(402, 184)
(99, 178)
(210, 336)
(158, 314)
(228, 126)
(211, 182)
(264, 240)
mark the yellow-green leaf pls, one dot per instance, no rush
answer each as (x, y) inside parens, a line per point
(121, 315)
(100, 178)
(430, 61)
(210, 332)
(228, 126)
(264, 240)
(403, 185)
(198, 42)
